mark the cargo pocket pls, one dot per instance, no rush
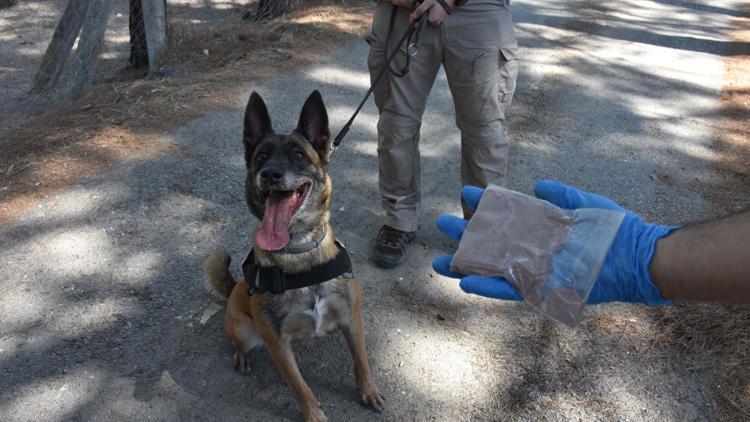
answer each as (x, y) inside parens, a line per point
(370, 37)
(375, 61)
(471, 70)
(507, 74)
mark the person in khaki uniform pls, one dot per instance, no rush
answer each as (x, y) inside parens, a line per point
(476, 46)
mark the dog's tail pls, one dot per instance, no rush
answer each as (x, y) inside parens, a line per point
(217, 272)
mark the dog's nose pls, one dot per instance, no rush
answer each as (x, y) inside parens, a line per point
(272, 174)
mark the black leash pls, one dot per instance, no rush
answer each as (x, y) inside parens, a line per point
(414, 30)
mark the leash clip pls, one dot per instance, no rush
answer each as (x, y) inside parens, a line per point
(412, 48)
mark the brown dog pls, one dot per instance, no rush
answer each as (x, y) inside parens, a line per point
(289, 190)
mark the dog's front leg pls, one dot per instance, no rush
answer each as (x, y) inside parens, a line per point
(283, 357)
(354, 332)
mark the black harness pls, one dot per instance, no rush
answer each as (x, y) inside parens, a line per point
(274, 280)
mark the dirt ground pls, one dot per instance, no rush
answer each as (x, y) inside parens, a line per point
(108, 207)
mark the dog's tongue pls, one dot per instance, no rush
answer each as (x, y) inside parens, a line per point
(273, 234)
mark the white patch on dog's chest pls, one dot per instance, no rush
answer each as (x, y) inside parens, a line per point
(318, 313)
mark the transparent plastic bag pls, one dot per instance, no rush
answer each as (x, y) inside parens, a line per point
(551, 255)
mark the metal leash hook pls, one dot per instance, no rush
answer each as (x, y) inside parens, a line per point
(415, 30)
(412, 48)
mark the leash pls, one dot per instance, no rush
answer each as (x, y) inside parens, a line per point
(414, 30)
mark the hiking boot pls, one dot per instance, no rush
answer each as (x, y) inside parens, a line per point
(390, 246)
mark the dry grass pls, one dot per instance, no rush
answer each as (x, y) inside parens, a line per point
(719, 334)
(125, 116)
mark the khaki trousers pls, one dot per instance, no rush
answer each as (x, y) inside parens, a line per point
(478, 52)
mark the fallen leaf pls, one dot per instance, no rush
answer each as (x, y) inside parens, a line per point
(209, 312)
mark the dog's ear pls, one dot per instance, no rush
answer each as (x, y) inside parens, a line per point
(313, 123)
(257, 122)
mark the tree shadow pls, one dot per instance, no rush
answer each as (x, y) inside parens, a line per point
(663, 32)
(706, 8)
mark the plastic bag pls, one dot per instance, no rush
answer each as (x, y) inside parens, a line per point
(550, 255)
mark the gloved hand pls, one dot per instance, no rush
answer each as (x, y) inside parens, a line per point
(624, 276)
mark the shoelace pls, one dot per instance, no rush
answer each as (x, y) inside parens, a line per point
(391, 237)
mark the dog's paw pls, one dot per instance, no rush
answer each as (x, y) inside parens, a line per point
(240, 362)
(315, 415)
(371, 396)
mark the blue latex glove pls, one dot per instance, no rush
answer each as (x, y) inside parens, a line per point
(624, 276)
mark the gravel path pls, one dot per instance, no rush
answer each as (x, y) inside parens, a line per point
(104, 316)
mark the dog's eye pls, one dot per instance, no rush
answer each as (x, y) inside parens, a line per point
(299, 155)
(261, 156)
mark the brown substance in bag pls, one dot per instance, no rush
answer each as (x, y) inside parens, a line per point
(514, 236)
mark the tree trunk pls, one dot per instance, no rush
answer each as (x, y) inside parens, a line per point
(89, 46)
(155, 19)
(60, 45)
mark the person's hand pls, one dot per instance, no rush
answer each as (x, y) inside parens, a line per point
(624, 276)
(437, 13)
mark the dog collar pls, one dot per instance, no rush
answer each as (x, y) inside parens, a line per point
(274, 280)
(306, 247)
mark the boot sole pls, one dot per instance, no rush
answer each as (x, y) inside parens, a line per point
(387, 263)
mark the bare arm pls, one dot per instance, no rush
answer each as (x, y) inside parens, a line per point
(706, 262)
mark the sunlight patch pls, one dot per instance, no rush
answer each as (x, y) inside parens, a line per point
(56, 397)
(445, 367)
(77, 252)
(19, 308)
(339, 76)
(82, 319)
(140, 266)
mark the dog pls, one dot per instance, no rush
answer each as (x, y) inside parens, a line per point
(288, 189)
